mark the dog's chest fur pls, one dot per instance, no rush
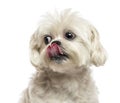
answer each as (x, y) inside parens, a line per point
(59, 88)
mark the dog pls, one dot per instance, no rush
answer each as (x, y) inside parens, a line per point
(62, 50)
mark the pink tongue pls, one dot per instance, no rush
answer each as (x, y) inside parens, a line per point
(54, 50)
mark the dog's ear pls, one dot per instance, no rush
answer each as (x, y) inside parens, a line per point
(35, 49)
(98, 53)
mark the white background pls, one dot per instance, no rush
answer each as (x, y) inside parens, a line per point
(19, 19)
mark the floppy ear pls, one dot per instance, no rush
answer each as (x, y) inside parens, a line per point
(35, 49)
(98, 53)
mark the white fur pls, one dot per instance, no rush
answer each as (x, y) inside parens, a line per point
(69, 81)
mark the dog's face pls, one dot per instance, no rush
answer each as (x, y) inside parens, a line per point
(66, 43)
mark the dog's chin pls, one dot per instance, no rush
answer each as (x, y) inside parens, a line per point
(62, 64)
(59, 59)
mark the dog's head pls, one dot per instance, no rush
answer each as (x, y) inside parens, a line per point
(65, 43)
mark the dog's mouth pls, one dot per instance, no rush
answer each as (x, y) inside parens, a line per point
(56, 53)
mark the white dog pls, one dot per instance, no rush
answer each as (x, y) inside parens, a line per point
(62, 50)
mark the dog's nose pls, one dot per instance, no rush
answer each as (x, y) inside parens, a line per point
(57, 42)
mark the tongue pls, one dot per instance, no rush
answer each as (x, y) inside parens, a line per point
(54, 50)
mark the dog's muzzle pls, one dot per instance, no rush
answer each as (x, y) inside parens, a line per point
(56, 53)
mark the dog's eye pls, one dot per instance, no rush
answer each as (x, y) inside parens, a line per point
(47, 39)
(69, 35)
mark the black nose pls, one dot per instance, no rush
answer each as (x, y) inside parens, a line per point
(57, 42)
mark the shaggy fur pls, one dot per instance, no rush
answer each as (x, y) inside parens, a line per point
(65, 79)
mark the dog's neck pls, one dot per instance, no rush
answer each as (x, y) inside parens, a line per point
(49, 82)
(49, 73)
(50, 79)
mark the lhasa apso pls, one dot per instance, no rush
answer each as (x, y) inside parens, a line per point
(62, 49)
